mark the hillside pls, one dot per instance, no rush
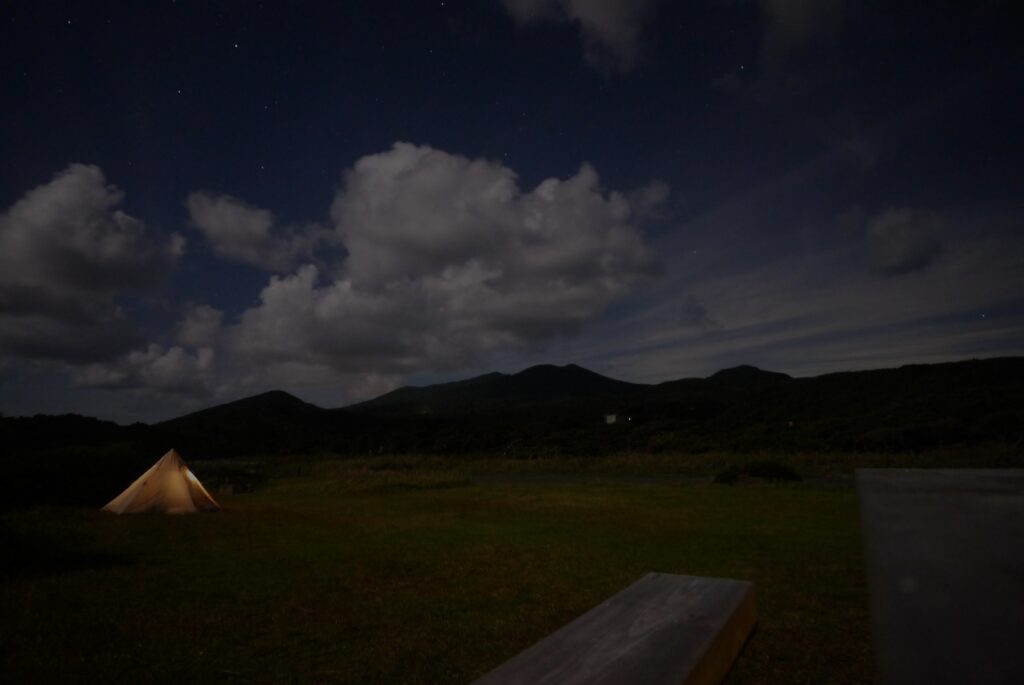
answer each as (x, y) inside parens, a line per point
(536, 388)
(559, 410)
(273, 421)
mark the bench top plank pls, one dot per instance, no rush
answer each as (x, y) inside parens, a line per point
(659, 630)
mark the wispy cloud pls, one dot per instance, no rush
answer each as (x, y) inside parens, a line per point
(827, 310)
(611, 30)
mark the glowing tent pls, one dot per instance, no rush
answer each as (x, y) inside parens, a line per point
(168, 487)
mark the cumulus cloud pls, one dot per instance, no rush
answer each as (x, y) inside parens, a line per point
(463, 235)
(171, 371)
(900, 241)
(241, 232)
(611, 29)
(200, 326)
(66, 250)
(186, 370)
(448, 259)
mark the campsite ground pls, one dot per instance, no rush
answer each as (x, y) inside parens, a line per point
(422, 571)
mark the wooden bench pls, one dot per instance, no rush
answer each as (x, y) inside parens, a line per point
(662, 630)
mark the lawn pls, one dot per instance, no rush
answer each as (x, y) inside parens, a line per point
(406, 573)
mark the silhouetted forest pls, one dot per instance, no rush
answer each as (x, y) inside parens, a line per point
(549, 411)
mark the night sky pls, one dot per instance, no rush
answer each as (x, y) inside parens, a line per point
(204, 200)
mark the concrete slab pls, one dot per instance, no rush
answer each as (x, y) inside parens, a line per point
(945, 557)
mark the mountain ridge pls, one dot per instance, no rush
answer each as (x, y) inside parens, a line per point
(560, 410)
(493, 391)
(269, 401)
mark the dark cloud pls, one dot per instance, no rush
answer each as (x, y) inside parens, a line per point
(70, 341)
(65, 252)
(18, 300)
(693, 314)
(899, 241)
(795, 29)
(611, 29)
(798, 48)
(241, 232)
(200, 326)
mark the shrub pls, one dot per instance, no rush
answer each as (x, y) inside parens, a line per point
(760, 470)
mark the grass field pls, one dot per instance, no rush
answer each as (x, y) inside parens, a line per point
(406, 572)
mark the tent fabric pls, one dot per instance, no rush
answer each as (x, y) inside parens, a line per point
(168, 487)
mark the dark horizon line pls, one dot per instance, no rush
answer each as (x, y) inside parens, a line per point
(510, 375)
